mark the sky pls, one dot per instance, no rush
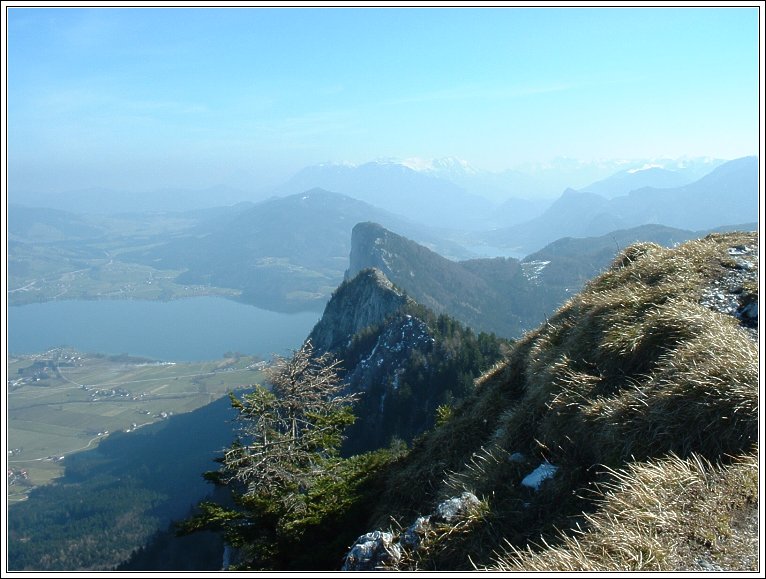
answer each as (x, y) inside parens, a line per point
(144, 98)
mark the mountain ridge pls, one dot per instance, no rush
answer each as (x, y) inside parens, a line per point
(285, 254)
(728, 194)
(445, 286)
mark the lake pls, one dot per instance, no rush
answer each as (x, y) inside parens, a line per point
(201, 328)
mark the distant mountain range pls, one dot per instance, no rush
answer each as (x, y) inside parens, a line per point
(444, 193)
(289, 253)
(501, 295)
(399, 189)
(727, 195)
(285, 254)
(451, 193)
(661, 175)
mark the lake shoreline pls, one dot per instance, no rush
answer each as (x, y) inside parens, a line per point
(184, 329)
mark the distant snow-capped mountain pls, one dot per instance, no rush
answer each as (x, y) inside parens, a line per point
(422, 194)
(660, 174)
(450, 192)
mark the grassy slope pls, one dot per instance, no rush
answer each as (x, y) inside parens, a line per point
(646, 400)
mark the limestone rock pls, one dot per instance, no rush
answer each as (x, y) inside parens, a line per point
(456, 508)
(373, 551)
(366, 300)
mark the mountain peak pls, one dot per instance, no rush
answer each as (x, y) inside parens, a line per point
(367, 299)
(645, 167)
(439, 167)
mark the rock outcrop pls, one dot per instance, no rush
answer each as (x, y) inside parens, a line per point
(365, 301)
(373, 552)
(733, 293)
(402, 358)
(383, 550)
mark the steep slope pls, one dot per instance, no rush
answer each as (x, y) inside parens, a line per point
(284, 254)
(500, 295)
(367, 300)
(405, 360)
(620, 435)
(727, 195)
(486, 294)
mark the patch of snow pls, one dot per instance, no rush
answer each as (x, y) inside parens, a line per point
(646, 167)
(443, 166)
(418, 164)
(338, 164)
(535, 478)
(740, 250)
(533, 269)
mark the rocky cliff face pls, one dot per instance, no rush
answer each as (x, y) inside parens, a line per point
(404, 359)
(367, 327)
(368, 241)
(365, 301)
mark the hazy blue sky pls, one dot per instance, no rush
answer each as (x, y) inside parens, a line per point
(144, 98)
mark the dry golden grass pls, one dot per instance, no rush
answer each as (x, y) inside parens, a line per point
(666, 515)
(633, 388)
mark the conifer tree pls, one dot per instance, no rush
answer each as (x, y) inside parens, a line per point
(287, 448)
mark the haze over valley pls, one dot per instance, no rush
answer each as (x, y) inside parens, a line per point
(383, 289)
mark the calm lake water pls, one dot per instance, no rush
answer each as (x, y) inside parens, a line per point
(182, 330)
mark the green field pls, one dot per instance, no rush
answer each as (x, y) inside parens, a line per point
(45, 272)
(64, 401)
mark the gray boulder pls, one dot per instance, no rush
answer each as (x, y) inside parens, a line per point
(372, 551)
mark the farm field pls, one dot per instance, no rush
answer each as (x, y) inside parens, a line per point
(44, 272)
(63, 401)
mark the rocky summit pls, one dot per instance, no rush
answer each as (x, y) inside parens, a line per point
(354, 306)
(402, 358)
